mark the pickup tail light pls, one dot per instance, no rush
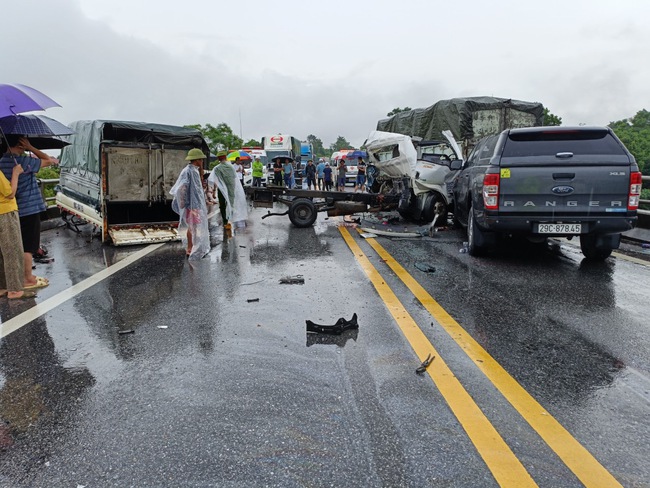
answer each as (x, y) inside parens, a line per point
(636, 181)
(491, 191)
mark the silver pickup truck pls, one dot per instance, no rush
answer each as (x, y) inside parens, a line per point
(549, 181)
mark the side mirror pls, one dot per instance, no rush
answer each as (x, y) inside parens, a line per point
(456, 164)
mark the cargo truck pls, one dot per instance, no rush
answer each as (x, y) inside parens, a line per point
(116, 175)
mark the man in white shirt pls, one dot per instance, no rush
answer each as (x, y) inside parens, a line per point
(239, 169)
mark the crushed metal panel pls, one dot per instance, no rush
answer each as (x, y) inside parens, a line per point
(126, 236)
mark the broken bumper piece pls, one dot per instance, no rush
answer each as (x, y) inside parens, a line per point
(337, 328)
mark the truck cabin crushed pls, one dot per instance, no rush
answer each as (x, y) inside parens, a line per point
(116, 175)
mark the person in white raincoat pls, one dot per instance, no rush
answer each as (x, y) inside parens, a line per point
(232, 199)
(189, 204)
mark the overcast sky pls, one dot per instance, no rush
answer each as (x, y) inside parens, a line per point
(326, 68)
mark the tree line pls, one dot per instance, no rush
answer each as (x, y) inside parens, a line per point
(634, 132)
(222, 138)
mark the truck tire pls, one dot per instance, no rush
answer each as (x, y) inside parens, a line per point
(596, 248)
(429, 210)
(476, 238)
(302, 212)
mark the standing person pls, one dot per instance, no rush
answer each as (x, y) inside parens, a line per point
(319, 170)
(232, 199)
(12, 262)
(341, 175)
(29, 199)
(257, 171)
(360, 184)
(239, 169)
(277, 171)
(310, 174)
(189, 204)
(327, 175)
(287, 168)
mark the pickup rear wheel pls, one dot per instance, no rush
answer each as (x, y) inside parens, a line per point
(475, 236)
(592, 251)
(302, 212)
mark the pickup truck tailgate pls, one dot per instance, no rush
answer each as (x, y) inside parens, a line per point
(564, 190)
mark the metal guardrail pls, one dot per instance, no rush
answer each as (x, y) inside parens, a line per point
(42, 183)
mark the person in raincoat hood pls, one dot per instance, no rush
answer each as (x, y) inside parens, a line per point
(232, 199)
(189, 204)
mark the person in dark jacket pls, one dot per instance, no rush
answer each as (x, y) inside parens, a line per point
(310, 173)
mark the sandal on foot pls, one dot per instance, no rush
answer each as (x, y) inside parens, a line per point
(26, 294)
(40, 283)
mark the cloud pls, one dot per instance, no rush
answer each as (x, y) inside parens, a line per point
(134, 63)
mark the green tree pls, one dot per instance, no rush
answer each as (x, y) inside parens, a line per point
(317, 144)
(252, 143)
(397, 110)
(635, 134)
(341, 143)
(219, 138)
(551, 119)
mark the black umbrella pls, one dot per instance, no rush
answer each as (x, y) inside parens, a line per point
(33, 126)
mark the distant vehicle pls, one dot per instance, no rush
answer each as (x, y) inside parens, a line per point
(255, 152)
(117, 175)
(283, 145)
(451, 127)
(549, 181)
(306, 152)
(351, 166)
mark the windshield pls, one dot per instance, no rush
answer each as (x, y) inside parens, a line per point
(550, 143)
(434, 153)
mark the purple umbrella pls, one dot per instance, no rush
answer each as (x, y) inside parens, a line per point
(15, 99)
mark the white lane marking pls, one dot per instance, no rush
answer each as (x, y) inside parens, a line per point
(42, 308)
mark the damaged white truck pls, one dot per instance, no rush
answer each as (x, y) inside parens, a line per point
(417, 153)
(116, 175)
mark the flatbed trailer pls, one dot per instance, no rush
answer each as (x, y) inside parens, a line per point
(304, 205)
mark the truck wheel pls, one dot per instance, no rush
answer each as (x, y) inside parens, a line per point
(593, 249)
(302, 212)
(476, 239)
(429, 210)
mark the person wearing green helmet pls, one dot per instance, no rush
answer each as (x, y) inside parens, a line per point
(189, 204)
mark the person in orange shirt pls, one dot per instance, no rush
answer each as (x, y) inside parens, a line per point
(12, 263)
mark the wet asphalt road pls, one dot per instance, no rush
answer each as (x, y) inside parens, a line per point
(233, 393)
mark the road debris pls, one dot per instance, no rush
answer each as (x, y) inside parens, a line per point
(127, 331)
(337, 328)
(163, 326)
(427, 268)
(292, 280)
(250, 300)
(425, 364)
(368, 235)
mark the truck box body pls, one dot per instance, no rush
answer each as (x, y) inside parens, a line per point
(117, 176)
(469, 119)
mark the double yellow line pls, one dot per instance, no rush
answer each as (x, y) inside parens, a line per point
(499, 458)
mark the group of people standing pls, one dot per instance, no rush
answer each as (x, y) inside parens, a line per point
(196, 193)
(320, 176)
(21, 204)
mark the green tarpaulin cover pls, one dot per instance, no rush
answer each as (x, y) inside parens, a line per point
(467, 118)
